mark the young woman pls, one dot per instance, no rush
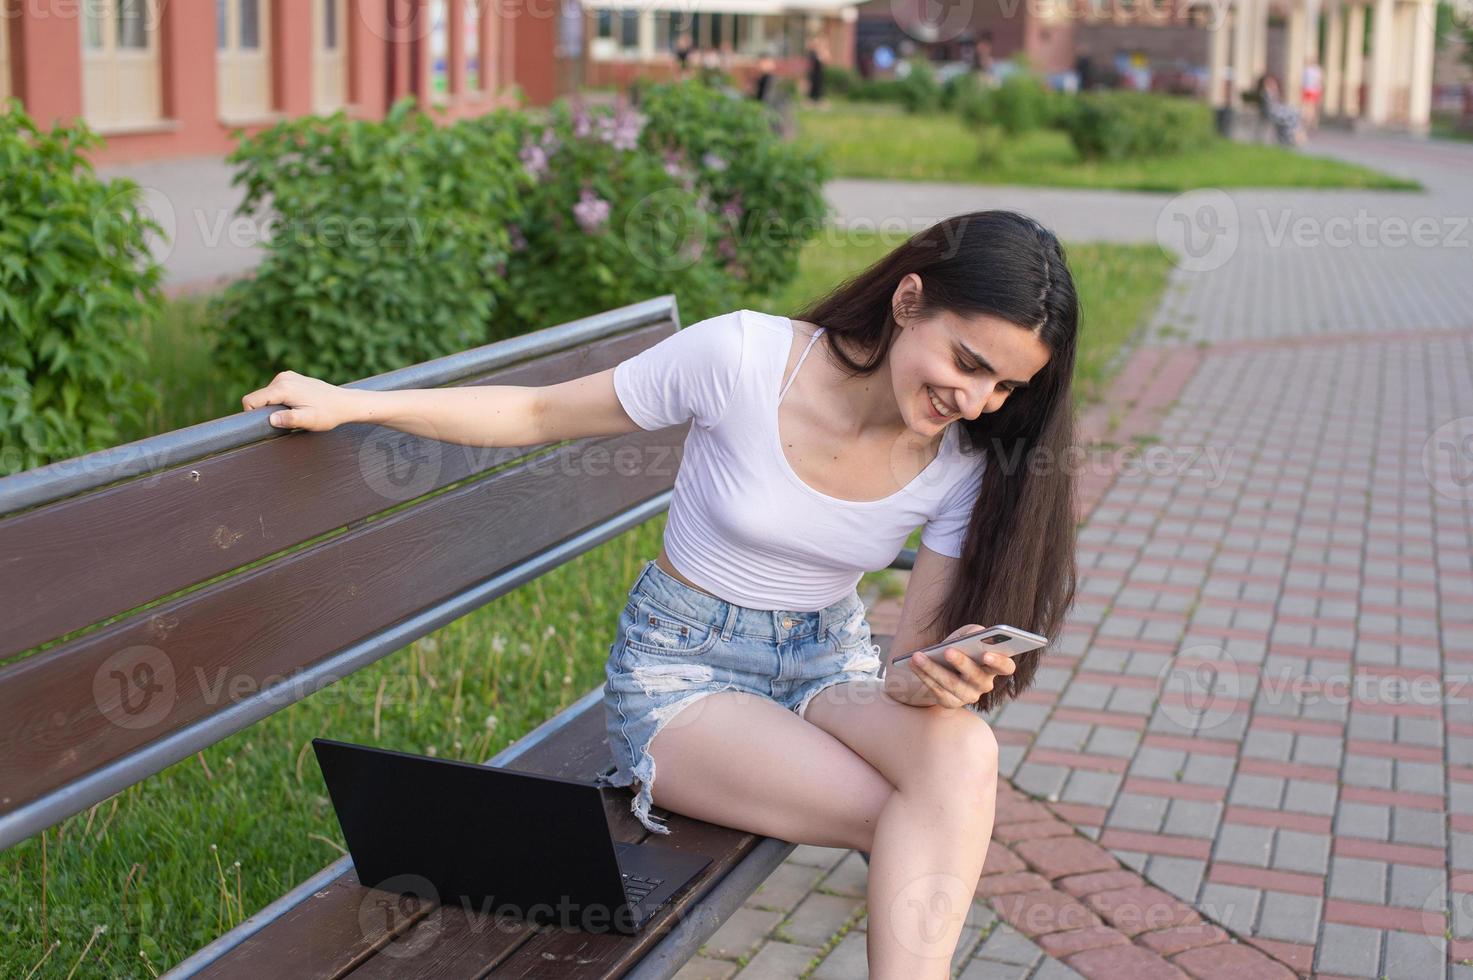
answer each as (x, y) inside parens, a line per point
(931, 390)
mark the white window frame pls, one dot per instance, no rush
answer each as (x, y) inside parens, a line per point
(329, 64)
(244, 91)
(121, 86)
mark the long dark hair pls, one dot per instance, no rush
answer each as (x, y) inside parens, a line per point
(1017, 565)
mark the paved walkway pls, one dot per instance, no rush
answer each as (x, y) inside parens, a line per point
(1260, 714)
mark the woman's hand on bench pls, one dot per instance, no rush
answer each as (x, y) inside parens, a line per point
(956, 681)
(312, 404)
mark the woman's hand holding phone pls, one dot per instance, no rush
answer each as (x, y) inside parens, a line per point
(955, 679)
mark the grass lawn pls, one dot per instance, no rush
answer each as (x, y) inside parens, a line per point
(881, 141)
(174, 861)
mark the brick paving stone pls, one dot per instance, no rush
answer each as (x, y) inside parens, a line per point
(1415, 955)
(1128, 961)
(1055, 970)
(1231, 961)
(1012, 833)
(849, 877)
(778, 961)
(701, 968)
(1054, 857)
(818, 917)
(1353, 951)
(1065, 944)
(991, 886)
(1000, 860)
(741, 933)
(985, 969)
(818, 857)
(1004, 944)
(1168, 942)
(1097, 881)
(785, 887)
(1038, 912)
(847, 960)
(1141, 908)
(1295, 918)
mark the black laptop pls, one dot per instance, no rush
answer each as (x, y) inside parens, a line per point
(496, 841)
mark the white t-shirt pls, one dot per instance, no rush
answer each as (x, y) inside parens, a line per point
(742, 524)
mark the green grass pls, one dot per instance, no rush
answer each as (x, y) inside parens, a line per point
(879, 140)
(156, 864)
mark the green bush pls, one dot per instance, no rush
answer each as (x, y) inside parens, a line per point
(602, 224)
(766, 193)
(389, 237)
(1021, 103)
(839, 81)
(877, 90)
(1123, 124)
(919, 91)
(959, 89)
(76, 278)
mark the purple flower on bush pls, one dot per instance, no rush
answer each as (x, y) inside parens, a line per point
(549, 141)
(534, 159)
(582, 121)
(518, 240)
(591, 211)
(726, 248)
(713, 162)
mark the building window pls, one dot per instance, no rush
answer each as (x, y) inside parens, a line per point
(439, 51)
(472, 46)
(243, 58)
(120, 63)
(329, 56)
(616, 33)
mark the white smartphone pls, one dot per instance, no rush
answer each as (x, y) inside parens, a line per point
(1007, 639)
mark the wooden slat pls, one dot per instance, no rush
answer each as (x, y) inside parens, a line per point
(76, 562)
(64, 712)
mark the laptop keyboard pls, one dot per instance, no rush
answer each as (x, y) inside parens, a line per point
(638, 886)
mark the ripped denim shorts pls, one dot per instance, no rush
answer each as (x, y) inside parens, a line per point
(676, 644)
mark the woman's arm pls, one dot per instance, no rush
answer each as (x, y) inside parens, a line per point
(472, 415)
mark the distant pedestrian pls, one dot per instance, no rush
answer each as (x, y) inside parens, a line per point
(817, 56)
(1310, 92)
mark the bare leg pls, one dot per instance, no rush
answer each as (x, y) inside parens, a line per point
(934, 830)
(743, 761)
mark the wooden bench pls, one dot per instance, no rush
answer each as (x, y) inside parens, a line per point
(95, 538)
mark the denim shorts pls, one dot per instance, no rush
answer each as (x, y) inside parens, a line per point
(676, 644)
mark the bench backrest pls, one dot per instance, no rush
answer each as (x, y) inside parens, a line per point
(184, 586)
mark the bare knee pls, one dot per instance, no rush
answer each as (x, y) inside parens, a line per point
(956, 758)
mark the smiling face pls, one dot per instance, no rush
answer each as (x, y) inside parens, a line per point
(932, 359)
